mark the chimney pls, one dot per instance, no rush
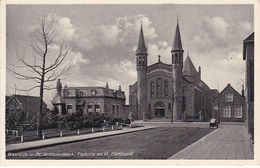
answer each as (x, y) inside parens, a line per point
(107, 86)
(119, 88)
(243, 91)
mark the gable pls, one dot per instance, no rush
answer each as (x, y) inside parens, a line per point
(159, 66)
(230, 90)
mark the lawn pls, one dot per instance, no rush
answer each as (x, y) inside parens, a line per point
(157, 143)
(51, 133)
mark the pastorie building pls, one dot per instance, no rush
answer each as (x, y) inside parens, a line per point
(90, 99)
(169, 90)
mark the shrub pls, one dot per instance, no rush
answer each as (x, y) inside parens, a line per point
(127, 121)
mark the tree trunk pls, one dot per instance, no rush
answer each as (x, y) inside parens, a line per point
(39, 120)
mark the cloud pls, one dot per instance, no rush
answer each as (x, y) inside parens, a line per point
(233, 62)
(123, 30)
(107, 35)
(161, 48)
(217, 26)
(216, 32)
(67, 29)
(78, 58)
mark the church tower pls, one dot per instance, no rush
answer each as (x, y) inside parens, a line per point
(141, 66)
(177, 65)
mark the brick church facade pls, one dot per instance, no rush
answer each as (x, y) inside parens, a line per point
(169, 90)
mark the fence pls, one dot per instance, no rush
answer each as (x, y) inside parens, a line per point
(14, 137)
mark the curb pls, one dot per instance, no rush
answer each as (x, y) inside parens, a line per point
(71, 141)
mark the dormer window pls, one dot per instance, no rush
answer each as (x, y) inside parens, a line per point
(66, 93)
(229, 98)
(81, 93)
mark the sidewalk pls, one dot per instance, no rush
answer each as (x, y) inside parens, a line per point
(174, 124)
(63, 140)
(226, 142)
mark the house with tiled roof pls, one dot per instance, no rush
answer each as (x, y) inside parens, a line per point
(28, 106)
(232, 105)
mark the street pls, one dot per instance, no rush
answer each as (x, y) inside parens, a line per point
(158, 143)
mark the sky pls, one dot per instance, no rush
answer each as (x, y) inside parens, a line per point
(103, 40)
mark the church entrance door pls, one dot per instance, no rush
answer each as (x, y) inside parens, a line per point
(159, 109)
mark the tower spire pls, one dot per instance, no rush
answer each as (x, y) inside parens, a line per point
(177, 45)
(141, 43)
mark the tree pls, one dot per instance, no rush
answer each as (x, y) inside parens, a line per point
(48, 67)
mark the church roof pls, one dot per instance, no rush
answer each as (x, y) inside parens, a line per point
(189, 68)
(159, 65)
(177, 45)
(141, 43)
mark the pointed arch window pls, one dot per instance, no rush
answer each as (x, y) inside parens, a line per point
(159, 88)
(139, 61)
(180, 58)
(152, 89)
(176, 58)
(166, 89)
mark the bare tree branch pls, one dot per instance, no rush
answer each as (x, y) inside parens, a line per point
(24, 77)
(58, 74)
(33, 67)
(24, 90)
(40, 42)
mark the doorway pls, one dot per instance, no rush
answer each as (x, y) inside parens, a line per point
(159, 110)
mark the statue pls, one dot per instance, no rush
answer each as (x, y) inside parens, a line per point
(59, 87)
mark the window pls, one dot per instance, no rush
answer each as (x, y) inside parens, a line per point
(184, 103)
(166, 91)
(69, 108)
(227, 112)
(113, 109)
(117, 109)
(140, 61)
(89, 108)
(97, 108)
(159, 88)
(106, 109)
(152, 89)
(81, 93)
(238, 112)
(229, 98)
(215, 107)
(169, 106)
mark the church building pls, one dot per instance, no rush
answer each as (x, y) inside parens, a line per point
(169, 90)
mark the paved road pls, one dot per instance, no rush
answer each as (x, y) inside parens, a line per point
(227, 142)
(158, 143)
